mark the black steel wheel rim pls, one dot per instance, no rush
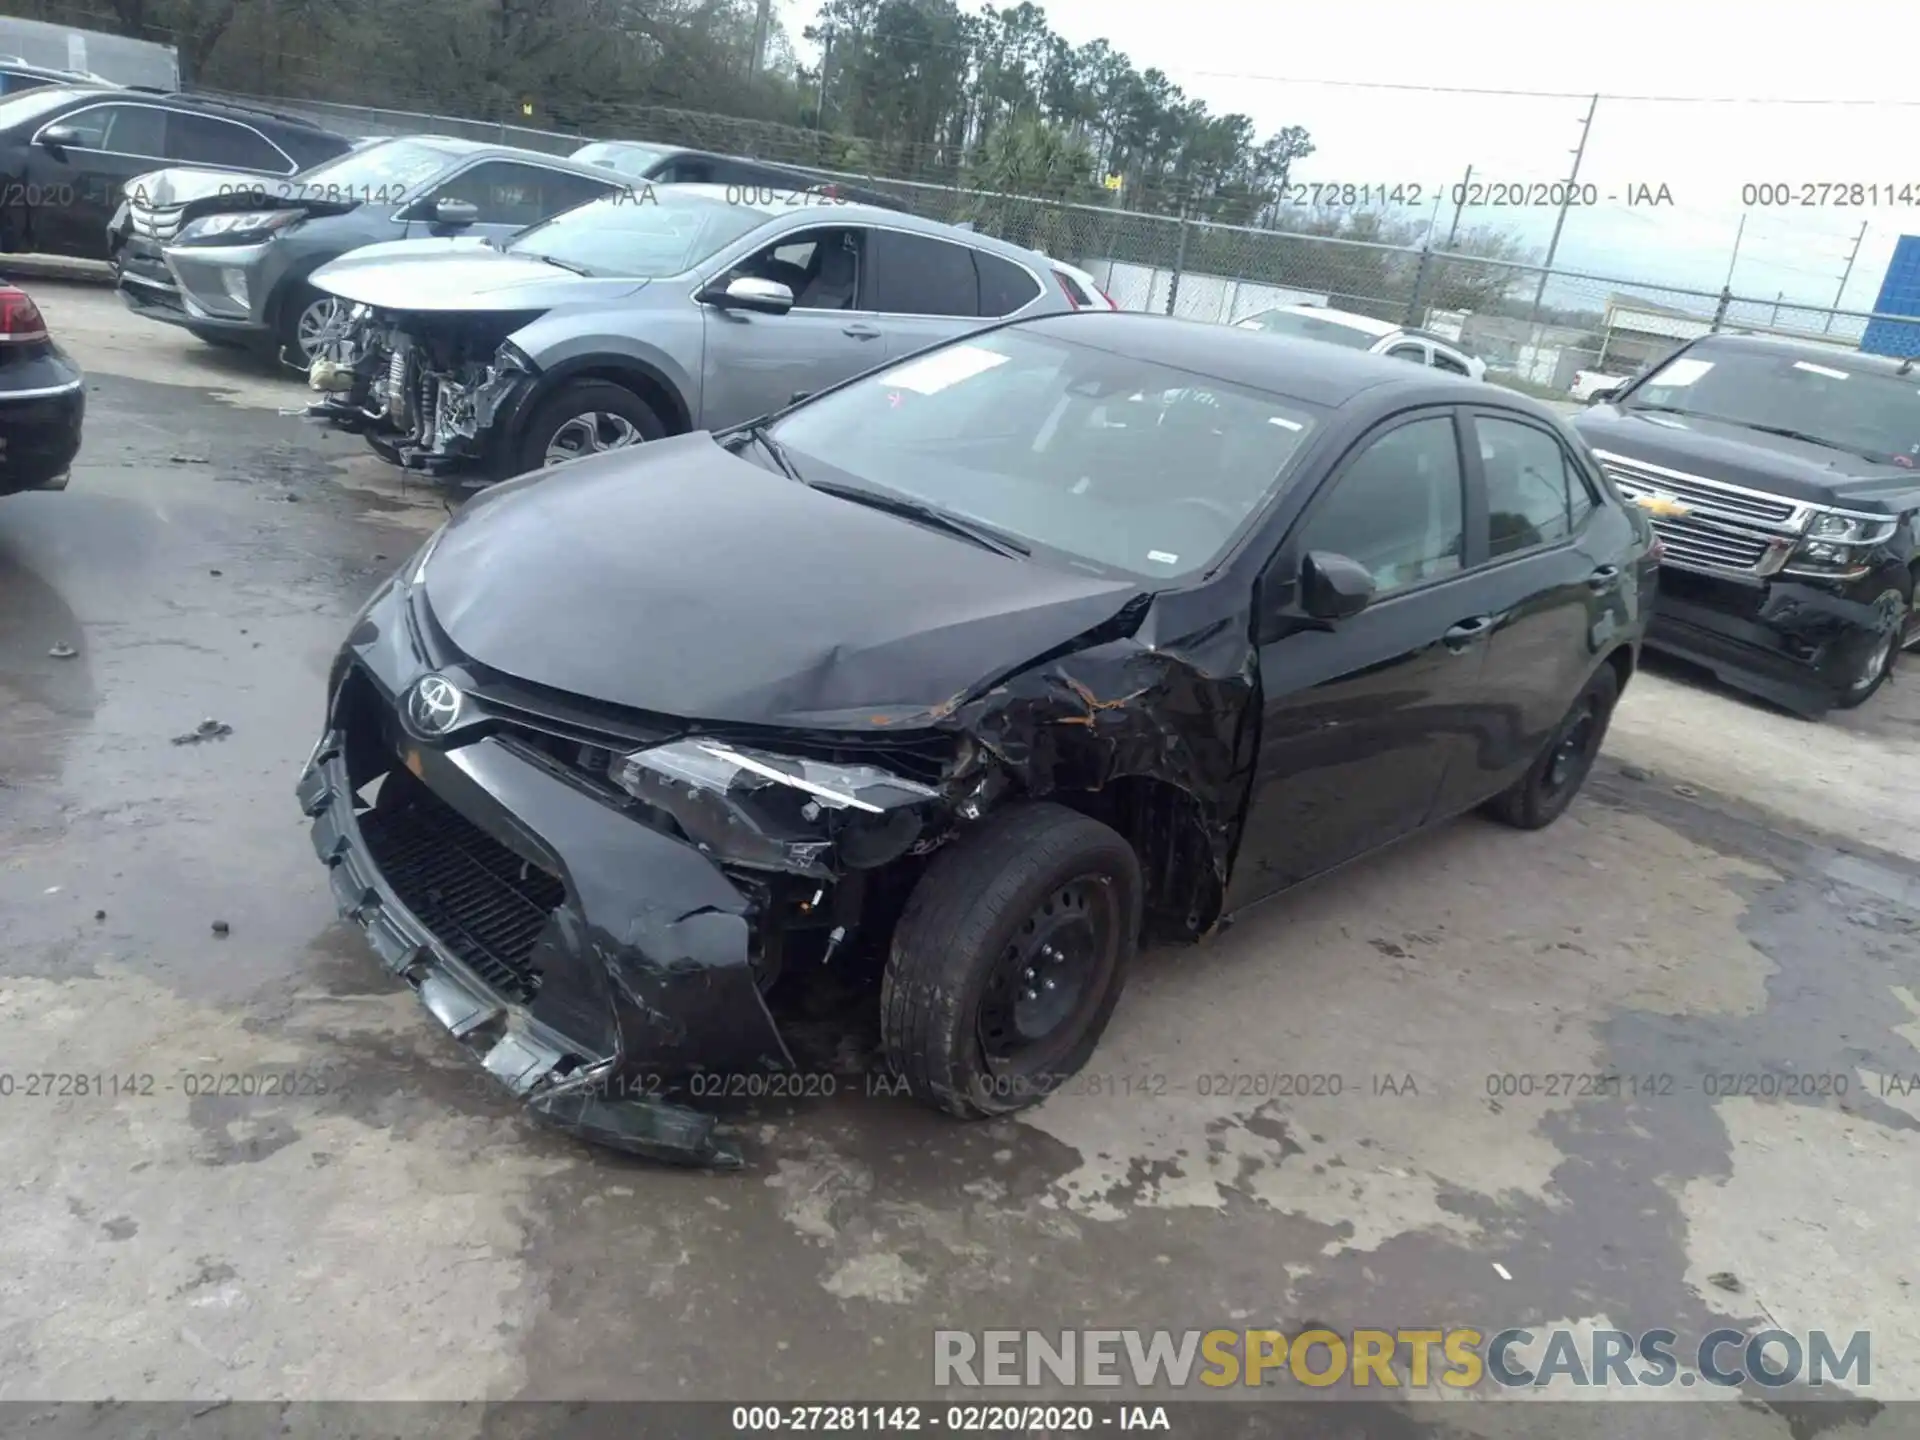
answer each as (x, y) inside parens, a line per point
(1049, 978)
(1573, 750)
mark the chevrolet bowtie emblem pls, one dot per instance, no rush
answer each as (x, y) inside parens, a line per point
(1664, 506)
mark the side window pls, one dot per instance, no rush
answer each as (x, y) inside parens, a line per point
(562, 191)
(917, 275)
(1397, 507)
(1531, 487)
(1446, 360)
(203, 140)
(1004, 286)
(503, 191)
(1409, 350)
(690, 170)
(123, 129)
(821, 267)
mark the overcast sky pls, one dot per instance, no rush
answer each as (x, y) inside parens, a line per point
(1274, 63)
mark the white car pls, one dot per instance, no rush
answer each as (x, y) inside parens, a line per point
(1363, 332)
(1083, 292)
(1586, 383)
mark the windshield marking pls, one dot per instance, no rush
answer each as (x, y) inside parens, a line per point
(947, 368)
(1683, 371)
(1813, 369)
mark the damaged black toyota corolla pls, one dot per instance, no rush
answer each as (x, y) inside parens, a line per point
(977, 670)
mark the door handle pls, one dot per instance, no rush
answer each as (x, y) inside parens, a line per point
(861, 332)
(1461, 636)
(1604, 579)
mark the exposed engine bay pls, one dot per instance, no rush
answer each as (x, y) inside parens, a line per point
(424, 390)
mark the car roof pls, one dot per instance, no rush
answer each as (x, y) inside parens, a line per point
(1309, 370)
(1341, 317)
(1807, 350)
(201, 104)
(459, 147)
(852, 212)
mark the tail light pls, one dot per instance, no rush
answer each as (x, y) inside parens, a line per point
(20, 319)
(1106, 297)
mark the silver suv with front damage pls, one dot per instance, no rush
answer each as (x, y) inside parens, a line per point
(658, 311)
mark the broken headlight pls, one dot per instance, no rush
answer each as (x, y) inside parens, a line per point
(758, 808)
(1836, 545)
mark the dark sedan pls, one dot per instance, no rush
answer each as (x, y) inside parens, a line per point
(43, 399)
(961, 678)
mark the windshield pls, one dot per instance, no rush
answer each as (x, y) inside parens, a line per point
(392, 171)
(1871, 413)
(30, 105)
(1108, 460)
(627, 159)
(646, 232)
(1311, 327)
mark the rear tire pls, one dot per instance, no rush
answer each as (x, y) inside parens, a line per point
(1541, 796)
(597, 414)
(1009, 959)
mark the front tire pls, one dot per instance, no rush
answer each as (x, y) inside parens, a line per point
(585, 417)
(1009, 959)
(1541, 796)
(307, 317)
(1867, 662)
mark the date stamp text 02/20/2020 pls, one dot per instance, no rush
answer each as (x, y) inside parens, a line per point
(1471, 194)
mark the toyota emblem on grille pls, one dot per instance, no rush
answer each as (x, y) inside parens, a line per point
(434, 706)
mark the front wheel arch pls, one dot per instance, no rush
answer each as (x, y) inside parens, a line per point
(661, 395)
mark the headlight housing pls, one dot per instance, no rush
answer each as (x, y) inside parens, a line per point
(237, 225)
(770, 811)
(1836, 544)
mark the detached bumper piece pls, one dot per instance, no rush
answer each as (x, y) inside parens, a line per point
(464, 921)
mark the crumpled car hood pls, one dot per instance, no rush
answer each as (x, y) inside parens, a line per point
(680, 580)
(461, 273)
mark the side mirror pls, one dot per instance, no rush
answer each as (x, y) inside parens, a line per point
(56, 139)
(764, 297)
(456, 213)
(1604, 397)
(1333, 587)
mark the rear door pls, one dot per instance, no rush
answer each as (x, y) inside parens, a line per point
(1363, 721)
(756, 364)
(1549, 582)
(209, 142)
(77, 193)
(924, 290)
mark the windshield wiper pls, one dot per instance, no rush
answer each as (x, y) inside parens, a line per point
(775, 449)
(565, 265)
(1787, 434)
(985, 536)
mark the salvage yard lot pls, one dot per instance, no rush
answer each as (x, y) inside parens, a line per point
(1342, 1112)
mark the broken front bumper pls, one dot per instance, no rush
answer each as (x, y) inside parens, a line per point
(1777, 642)
(595, 965)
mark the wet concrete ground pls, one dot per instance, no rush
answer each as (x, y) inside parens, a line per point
(1736, 897)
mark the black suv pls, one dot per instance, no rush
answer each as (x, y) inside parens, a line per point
(1781, 478)
(769, 184)
(67, 152)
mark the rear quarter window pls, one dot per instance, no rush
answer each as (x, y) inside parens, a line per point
(1004, 286)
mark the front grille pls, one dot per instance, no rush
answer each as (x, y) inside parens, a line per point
(155, 224)
(1698, 545)
(480, 900)
(1728, 501)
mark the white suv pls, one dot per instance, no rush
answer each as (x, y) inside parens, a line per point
(1363, 332)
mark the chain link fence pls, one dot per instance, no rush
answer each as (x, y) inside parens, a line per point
(1537, 329)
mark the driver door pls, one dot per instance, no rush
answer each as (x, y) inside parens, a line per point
(756, 364)
(79, 189)
(1363, 718)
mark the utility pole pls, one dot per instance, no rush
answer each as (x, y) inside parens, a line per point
(1846, 275)
(1734, 259)
(1459, 203)
(1546, 270)
(758, 60)
(826, 56)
